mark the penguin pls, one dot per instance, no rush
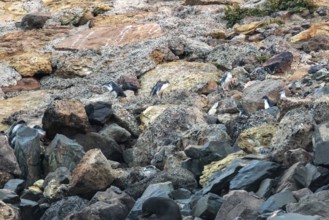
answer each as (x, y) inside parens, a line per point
(267, 102)
(225, 81)
(282, 94)
(114, 88)
(13, 130)
(159, 87)
(161, 208)
(42, 133)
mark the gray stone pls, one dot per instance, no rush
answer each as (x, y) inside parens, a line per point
(27, 151)
(180, 193)
(116, 132)
(287, 180)
(153, 190)
(207, 206)
(250, 176)
(31, 195)
(126, 120)
(314, 204)
(295, 131)
(34, 21)
(301, 193)
(30, 210)
(239, 203)
(15, 185)
(108, 146)
(99, 113)
(60, 209)
(277, 201)
(321, 144)
(305, 175)
(63, 152)
(9, 76)
(61, 175)
(265, 188)
(8, 196)
(296, 216)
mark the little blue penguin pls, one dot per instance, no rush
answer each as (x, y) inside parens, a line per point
(114, 88)
(226, 80)
(159, 87)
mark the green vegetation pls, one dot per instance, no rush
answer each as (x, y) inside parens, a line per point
(235, 13)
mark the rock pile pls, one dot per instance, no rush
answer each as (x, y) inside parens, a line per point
(205, 148)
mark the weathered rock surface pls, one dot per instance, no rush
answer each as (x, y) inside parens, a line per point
(208, 206)
(277, 201)
(8, 212)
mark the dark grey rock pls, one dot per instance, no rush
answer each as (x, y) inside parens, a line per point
(15, 185)
(30, 210)
(314, 69)
(180, 193)
(63, 152)
(60, 209)
(34, 21)
(153, 190)
(279, 63)
(296, 216)
(61, 175)
(208, 206)
(321, 144)
(265, 188)
(8, 196)
(108, 146)
(322, 180)
(277, 201)
(221, 180)
(250, 176)
(314, 204)
(27, 151)
(298, 194)
(239, 203)
(287, 180)
(305, 175)
(116, 132)
(99, 113)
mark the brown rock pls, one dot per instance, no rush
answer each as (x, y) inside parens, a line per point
(316, 29)
(97, 37)
(316, 43)
(11, 10)
(25, 84)
(66, 117)
(218, 34)
(297, 155)
(210, 87)
(112, 20)
(92, 174)
(8, 212)
(73, 66)
(55, 6)
(129, 81)
(279, 63)
(211, 2)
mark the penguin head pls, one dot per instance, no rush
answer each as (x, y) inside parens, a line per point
(265, 98)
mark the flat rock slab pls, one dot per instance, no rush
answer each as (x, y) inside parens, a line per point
(97, 37)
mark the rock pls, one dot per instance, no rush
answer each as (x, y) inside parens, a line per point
(64, 207)
(252, 100)
(34, 101)
(9, 76)
(55, 191)
(180, 193)
(178, 176)
(290, 103)
(220, 181)
(9, 196)
(320, 182)
(277, 201)
(316, 29)
(25, 84)
(61, 175)
(210, 2)
(149, 115)
(250, 176)
(295, 131)
(153, 190)
(126, 120)
(239, 203)
(32, 195)
(296, 216)
(63, 152)
(248, 28)
(316, 43)
(297, 155)
(8, 162)
(8, 212)
(314, 204)
(287, 181)
(98, 37)
(256, 137)
(305, 175)
(67, 117)
(265, 188)
(31, 64)
(216, 166)
(191, 76)
(119, 19)
(99, 113)
(228, 56)
(207, 206)
(93, 140)
(279, 63)
(301, 193)
(15, 185)
(116, 132)
(320, 143)
(172, 122)
(73, 66)
(92, 174)
(30, 210)
(34, 21)
(27, 152)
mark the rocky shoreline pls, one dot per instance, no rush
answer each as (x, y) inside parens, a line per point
(208, 142)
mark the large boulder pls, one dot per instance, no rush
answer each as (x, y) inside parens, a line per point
(8, 212)
(67, 117)
(92, 174)
(321, 144)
